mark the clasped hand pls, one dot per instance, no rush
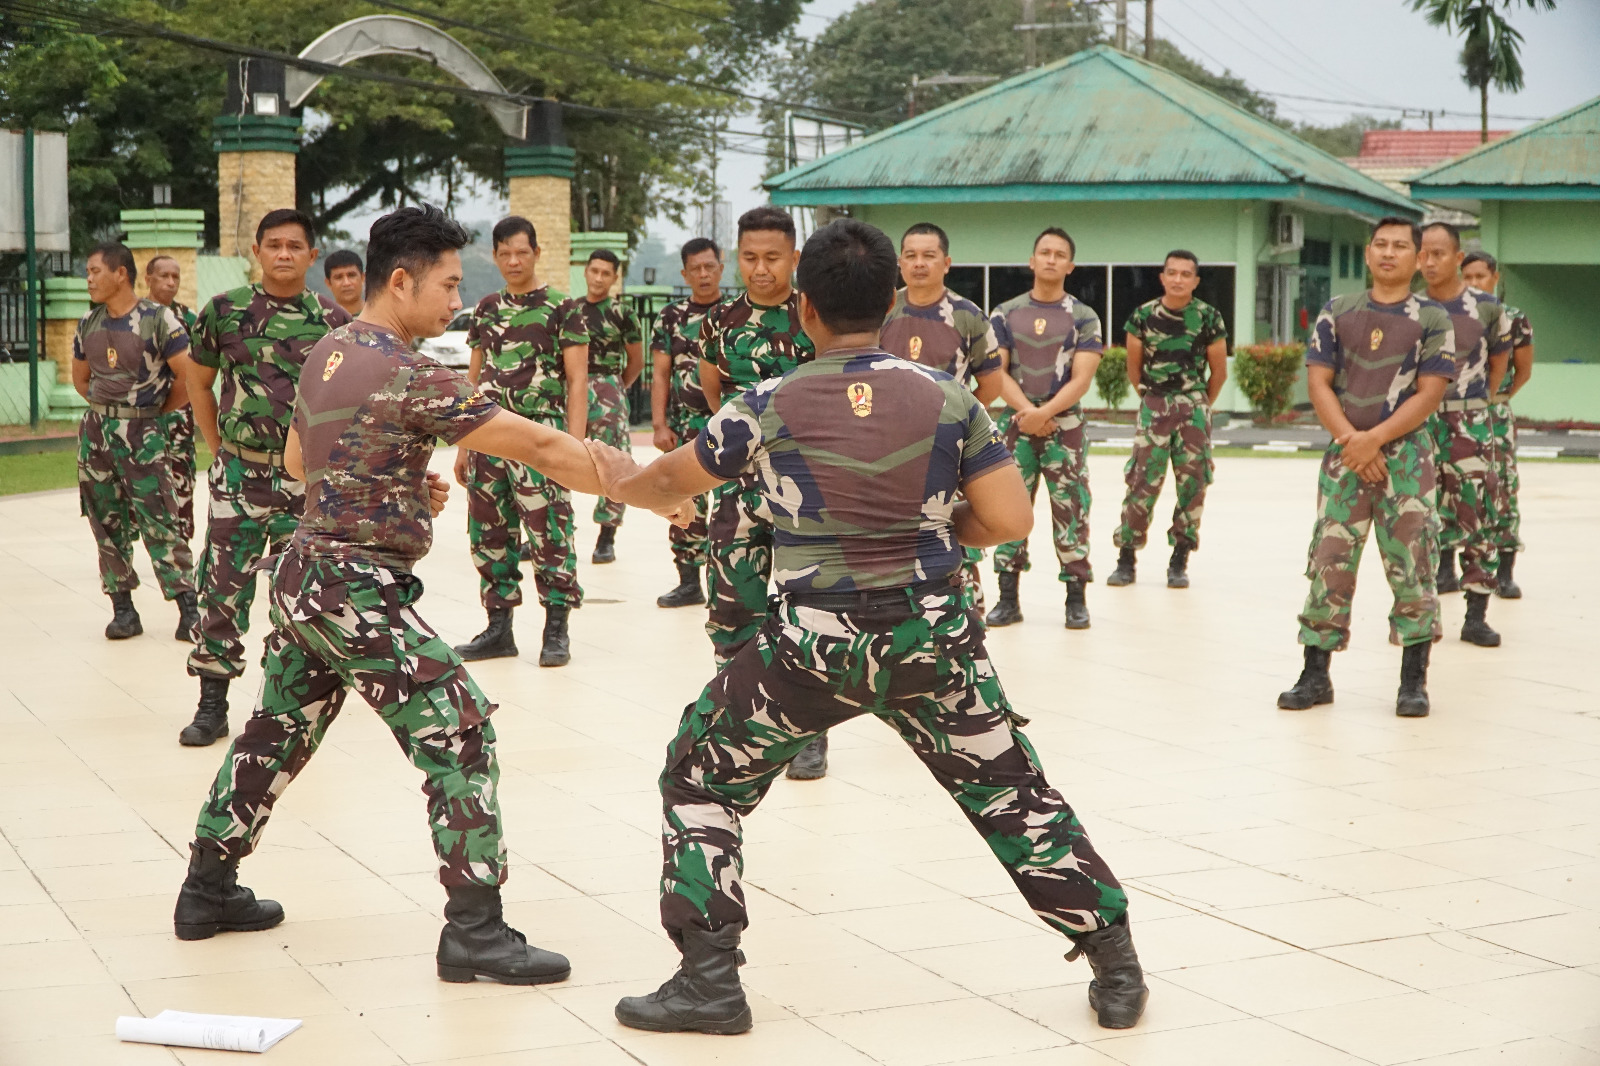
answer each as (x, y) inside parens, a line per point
(1035, 421)
(611, 465)
(1362, 452)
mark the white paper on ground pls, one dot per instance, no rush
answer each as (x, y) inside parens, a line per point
(220, 1032)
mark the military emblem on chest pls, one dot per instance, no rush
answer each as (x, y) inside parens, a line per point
(111, 357)
(1039, 325)
(860, 395)
(916, 347)
(333, 364)
(1377, 339)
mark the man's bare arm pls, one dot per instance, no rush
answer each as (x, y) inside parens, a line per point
(665, 483)
(1135, 361)
(559, 456)
(178, 395)
(201, 399)
(635, 364)
(1217, 365)
(576, 361)
(80, 377)
(1084, 365)
(711, 383)
(990, 386)
(995, 508)
(293, 462)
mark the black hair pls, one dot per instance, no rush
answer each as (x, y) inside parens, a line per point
(114, 254)
(1396, 220)
(1057, 231)
(344, 257)
(286, 216)
(927, 229)
(696, 245)
(768, 218)
(605, 255)
(1481, 257)
(509, 227)
(1452, 230)
(154, 259)
(1181, 253)
(848, 271)
(411, 239)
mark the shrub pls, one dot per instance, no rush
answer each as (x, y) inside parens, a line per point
(1111, 377)
(1266, 374)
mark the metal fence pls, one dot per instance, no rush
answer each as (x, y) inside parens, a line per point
(14, 322)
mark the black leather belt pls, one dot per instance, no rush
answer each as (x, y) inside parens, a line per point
(119, 410)
(866, 599)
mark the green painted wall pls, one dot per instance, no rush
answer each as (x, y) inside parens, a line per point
(1547, 232)
(1559, 302)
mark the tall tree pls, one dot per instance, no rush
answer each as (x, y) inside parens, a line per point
(1491, 47)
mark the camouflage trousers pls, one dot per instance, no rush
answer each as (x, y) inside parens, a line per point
(921, 668)
(608, 422)
(1505, 515)
(178, 427)
(505, 498)
(1464, 452)
(341, 625)
(689, 542)
(970, 558)
(1171, 428)
(1061, 460)
(1400, 511)
(738, 564)
(125, 490)
(254, 510)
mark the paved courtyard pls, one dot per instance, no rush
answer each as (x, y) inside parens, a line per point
(1335, 886)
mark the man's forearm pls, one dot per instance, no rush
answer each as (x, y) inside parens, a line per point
(970, 530)
(204, 404)
(578, 406)
(711, 384)
(1012, 393)
(1330, 412)
(660, 382)
(1407, 417)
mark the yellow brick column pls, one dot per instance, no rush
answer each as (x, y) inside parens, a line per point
(540, 177)
(168, 231)
(255, 174)
(66, 300)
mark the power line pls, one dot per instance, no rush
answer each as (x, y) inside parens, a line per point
(697, 14)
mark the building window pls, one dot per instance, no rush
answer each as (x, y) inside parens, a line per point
(1316, 253)
(1344, 260)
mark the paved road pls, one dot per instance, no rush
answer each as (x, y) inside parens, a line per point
(1241, 434)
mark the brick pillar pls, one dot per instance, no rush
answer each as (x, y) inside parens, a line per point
(171, 232)
(540, 177)
(255, 174)
(66, 300)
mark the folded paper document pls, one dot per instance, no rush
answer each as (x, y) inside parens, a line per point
(220, 1032)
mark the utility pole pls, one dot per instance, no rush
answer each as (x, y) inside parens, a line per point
(1030, 45)
(1121, 37)
(941, 79)
(1149, 26)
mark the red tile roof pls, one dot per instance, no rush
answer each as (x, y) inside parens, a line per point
(1378, 146)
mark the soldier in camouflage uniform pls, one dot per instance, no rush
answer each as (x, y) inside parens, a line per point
(678, 409)
(367, 415)
(162, 276)
(857, 458)
(931, 325)
(752, 338)
(1462, 430)
(602, 349)
(516, 362)
(127, 360)
(1051, 343)
(1377, 364)
(256, 337)
(1480, 270)
(1177, 362)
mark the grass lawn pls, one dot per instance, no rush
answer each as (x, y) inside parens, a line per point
(59, 470)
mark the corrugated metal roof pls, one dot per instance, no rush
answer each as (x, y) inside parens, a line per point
(1427, 146)
(216, 274)
(1096, 118)
(1560, 151)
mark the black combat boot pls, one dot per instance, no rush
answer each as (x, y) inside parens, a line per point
(1475, 630)
(212, 901)
(557, 649)
(210, 717)
(1118, 992)
(124, 619)
(688, 593)
(812, 762)
(1077, 608)
(1314, 686)
(1412, 701)
(1178, 568)
(1007, 611)
(605, 548)
(476, 942)
(704, 996)
(497, 641)
(1508, 588)
(1447, 580)
(188, 617)
(1127, 567)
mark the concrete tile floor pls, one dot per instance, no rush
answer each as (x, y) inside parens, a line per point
(1333, 886)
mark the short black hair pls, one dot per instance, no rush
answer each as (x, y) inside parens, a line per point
(286, 216)
(114, 254)
(1481, 257)
(927, 229)
(696, 245)
(848, 271)
(150, 264)
(509, 227)
(1452, 230)
(411, 239)
(1181, 253)
(1057, 231)
(769, 218)
(1396, 220)
(344, 257)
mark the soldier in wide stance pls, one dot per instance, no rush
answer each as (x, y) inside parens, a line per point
(858, 457)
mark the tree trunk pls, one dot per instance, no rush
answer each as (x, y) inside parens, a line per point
(1483, 108)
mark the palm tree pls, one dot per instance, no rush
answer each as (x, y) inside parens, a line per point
(1489, 53)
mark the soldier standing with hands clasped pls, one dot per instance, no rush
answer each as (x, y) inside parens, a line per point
(162, 275)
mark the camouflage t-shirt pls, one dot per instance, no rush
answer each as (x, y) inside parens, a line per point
(607, 327)
(1175, 344)
(1377, 351)
(749, 342)
(1483, 329)
(522, 369)
(128, 355)
(259, 342)
(676, 331)
(858, 458)
(950, 334)
(1521, 337)
(368, 412)
(1043, 338)
(186, 316)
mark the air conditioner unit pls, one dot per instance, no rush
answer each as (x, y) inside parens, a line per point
(1288, 232)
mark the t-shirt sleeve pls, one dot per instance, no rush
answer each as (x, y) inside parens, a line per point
(1002, 330)
(207, 347)
(1500, 338)
(573, 330)
(1436, 352)
(442, 403)
(171, 337)
(632, 329)
(1090, 338)
(1322, 346)
(1134, 328)
(1521, 331)
(1213, 329)
(982, 450)
(730, 442)
(477, 328)
(984, 356)
(661, 335)
(77, 340)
